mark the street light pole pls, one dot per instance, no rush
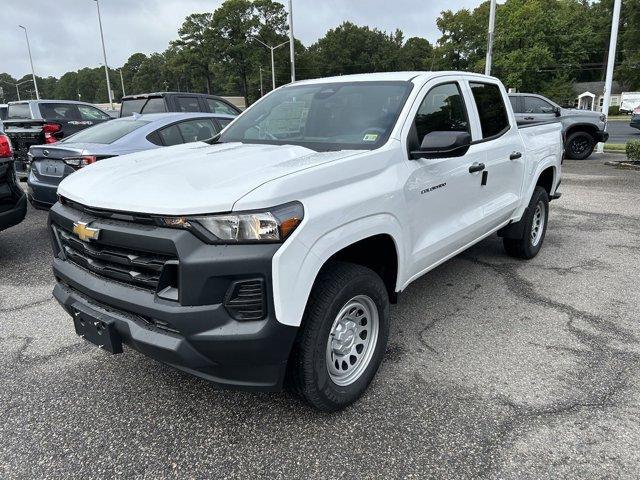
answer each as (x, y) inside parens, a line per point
(18, 91)
(33, 72)
(490, 35)
(122, 82)
(104, 54)
(292, 50)
(613, 43)
(261, 89)
(273, 64)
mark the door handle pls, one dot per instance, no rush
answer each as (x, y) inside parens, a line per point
(529, 118)
(476, 167)
(515, 155)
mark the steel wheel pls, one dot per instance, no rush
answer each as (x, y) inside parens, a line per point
(352, 340)
(537, 226)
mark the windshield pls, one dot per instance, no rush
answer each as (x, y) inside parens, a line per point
(327, 116)
(106, 133)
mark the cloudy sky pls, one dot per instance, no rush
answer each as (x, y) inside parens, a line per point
(64, 34)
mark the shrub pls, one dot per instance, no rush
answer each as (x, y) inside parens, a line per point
(614, 111)
(633, 150)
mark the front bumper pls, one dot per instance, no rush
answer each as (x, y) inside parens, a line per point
(196, 334)
(14, 215)
(602, 136)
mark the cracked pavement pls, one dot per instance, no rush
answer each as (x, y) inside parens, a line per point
(496, 368)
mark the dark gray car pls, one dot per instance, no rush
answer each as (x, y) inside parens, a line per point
(582, 129)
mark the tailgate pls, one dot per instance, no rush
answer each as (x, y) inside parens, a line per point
(23, 134)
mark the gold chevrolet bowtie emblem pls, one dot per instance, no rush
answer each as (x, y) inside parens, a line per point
(85, 232)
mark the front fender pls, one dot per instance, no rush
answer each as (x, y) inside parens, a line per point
(297, 264)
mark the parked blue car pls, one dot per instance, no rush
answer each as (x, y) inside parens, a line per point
(49, 164)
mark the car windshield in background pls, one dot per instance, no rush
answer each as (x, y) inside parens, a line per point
(106, 133)
(325, 116)
(18, 111)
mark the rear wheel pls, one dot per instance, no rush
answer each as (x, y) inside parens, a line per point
(342, 338)
(579, 146)
(535, 220)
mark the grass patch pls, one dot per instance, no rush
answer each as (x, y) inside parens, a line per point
(615, 147)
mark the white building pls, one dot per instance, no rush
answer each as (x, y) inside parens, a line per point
(591, 95)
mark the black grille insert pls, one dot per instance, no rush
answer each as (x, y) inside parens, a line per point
(246, 300)
(115, 263)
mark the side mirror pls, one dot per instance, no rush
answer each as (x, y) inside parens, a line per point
(557, 111)
(443, 145)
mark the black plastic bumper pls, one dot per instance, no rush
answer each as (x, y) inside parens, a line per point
(602, 136)
(202, 338)
(15, 215)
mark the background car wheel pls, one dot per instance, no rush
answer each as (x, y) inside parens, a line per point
(579, 146)
(536, 217)
(343, 337)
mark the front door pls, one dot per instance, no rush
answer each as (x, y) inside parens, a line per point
(444, 199)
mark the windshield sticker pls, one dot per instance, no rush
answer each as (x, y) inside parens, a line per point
(370, 137)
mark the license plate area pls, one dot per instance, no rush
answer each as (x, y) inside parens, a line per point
(50, 168)
(99, 331)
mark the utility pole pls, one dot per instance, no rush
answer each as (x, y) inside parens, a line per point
(611, 60)
(273, 64)
(33, 72)
(122, 82)
(292, 50)
(18, 91)
(104, 54)
(261, 89)
(491, 33)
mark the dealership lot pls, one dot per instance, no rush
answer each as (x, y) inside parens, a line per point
(495, 368)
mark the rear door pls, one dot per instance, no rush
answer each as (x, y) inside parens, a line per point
(90, 116)
(187, 104)
(502, 151)
(536, 110)
(66, 115)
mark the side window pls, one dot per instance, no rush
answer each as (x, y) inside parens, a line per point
(223, 122)
(59, 111)
(442, 110)
(188, 104)
(92, 113)
(537, 105)
(170, 136)
(197, 130)
(154, 105)
(515, 104)
(216, 106)
(491, 108)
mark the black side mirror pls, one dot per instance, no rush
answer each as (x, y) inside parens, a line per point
(443, 145)
(557, 111)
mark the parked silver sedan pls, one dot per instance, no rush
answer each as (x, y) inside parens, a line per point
(50, 163)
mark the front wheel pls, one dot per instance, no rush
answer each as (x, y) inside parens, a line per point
(579, 146)
(535, 219)
(343, 336)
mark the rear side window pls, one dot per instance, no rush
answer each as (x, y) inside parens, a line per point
(170, 136)
(224, 122)
(491, 108)
(537, 105)
(154, 105)
(515, 104)
(217, 106)
(3, 112)
(188, 104)
(442, 110)
(19, 110)
(59, 111)
(92, 113)
(197, 130)
(105, 133)
(129, 107)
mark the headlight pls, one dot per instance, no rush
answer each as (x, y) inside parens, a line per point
(272, 225)
(603, 117)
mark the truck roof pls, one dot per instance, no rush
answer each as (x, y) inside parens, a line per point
(166, 94)
(390, 77)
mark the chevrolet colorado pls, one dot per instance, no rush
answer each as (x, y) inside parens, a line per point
(270, 254)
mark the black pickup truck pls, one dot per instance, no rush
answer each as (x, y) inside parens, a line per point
(37, 122)
(161, 102)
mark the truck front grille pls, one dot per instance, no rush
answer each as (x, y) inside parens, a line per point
(135, 268)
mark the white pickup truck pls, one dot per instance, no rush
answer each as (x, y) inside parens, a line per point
(269, 255)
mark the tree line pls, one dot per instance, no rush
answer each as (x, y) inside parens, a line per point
(541, 46)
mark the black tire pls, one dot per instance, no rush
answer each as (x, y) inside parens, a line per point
(579, 146)
(337, 284)
(525, 247)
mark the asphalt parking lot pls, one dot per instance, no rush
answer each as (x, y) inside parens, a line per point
(496, 368)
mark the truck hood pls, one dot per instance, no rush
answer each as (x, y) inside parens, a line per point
(189, 179)
(581, 113)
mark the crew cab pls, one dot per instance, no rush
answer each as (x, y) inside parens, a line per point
(34, 122)
(161, 102)
(581, 129)
(269, 255)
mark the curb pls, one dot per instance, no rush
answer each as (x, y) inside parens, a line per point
(624, 165)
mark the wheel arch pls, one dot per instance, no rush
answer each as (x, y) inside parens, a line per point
(589, 128)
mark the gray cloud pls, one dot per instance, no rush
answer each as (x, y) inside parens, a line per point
(64, 34)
